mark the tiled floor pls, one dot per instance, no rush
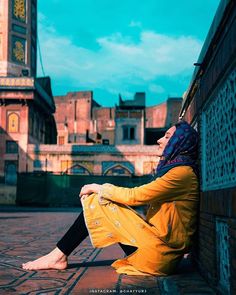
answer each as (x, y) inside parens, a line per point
(28, 235)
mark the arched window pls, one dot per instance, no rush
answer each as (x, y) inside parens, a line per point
(118, 170)
(78, 170)
(13, 122)
(68, 167)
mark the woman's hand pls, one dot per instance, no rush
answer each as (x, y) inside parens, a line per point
(88, 189)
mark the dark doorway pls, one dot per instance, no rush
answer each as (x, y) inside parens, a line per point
(11, 172)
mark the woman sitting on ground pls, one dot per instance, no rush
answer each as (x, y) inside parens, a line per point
(154, 244)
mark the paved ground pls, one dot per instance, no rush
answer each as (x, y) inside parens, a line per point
(25, 235)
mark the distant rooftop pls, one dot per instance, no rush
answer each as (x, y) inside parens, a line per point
(175, 99)
(139, 101)
(83, 94)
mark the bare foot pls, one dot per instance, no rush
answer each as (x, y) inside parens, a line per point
(56, 259)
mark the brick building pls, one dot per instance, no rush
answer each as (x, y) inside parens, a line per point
(26, 107)
(74, 117)
(93, 140)
(80, 120)
(26, 102)
(210, 104)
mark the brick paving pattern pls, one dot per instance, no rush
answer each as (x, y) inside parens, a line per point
(28, 235)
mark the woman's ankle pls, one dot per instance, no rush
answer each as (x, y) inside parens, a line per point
(58, 254)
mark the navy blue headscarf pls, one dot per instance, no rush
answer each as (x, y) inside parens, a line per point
(181, 150)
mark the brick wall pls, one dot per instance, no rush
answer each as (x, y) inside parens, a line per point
(103, 121)
(156, 116)
(73, 115)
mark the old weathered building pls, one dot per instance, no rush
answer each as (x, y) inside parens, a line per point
(93, 140)
(26, 102)
(80, 119)
(74, 117)
(26, 107)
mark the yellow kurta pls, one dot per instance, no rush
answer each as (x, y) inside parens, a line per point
(162, 237)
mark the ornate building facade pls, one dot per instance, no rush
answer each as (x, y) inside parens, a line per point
(18, 38)
(26, 102)
(26, 108)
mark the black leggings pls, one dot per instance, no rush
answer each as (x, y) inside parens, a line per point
(77, 233)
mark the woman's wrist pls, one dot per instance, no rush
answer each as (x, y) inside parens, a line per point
(89, 189)
(96, 188)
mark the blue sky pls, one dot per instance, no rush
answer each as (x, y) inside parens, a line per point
(122, 46)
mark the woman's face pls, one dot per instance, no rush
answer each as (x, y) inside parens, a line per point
(162, 142)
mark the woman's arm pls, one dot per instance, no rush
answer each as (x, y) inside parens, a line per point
(172, 186)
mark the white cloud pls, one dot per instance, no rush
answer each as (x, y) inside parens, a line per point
(44, 24)
(156, 88)
(119, 59)
(134, 24)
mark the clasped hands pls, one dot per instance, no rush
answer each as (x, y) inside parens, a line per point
(88, 189)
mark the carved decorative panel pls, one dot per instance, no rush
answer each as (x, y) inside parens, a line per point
(218, 140)
(223, 265)
(18, 49)
(19, 10)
